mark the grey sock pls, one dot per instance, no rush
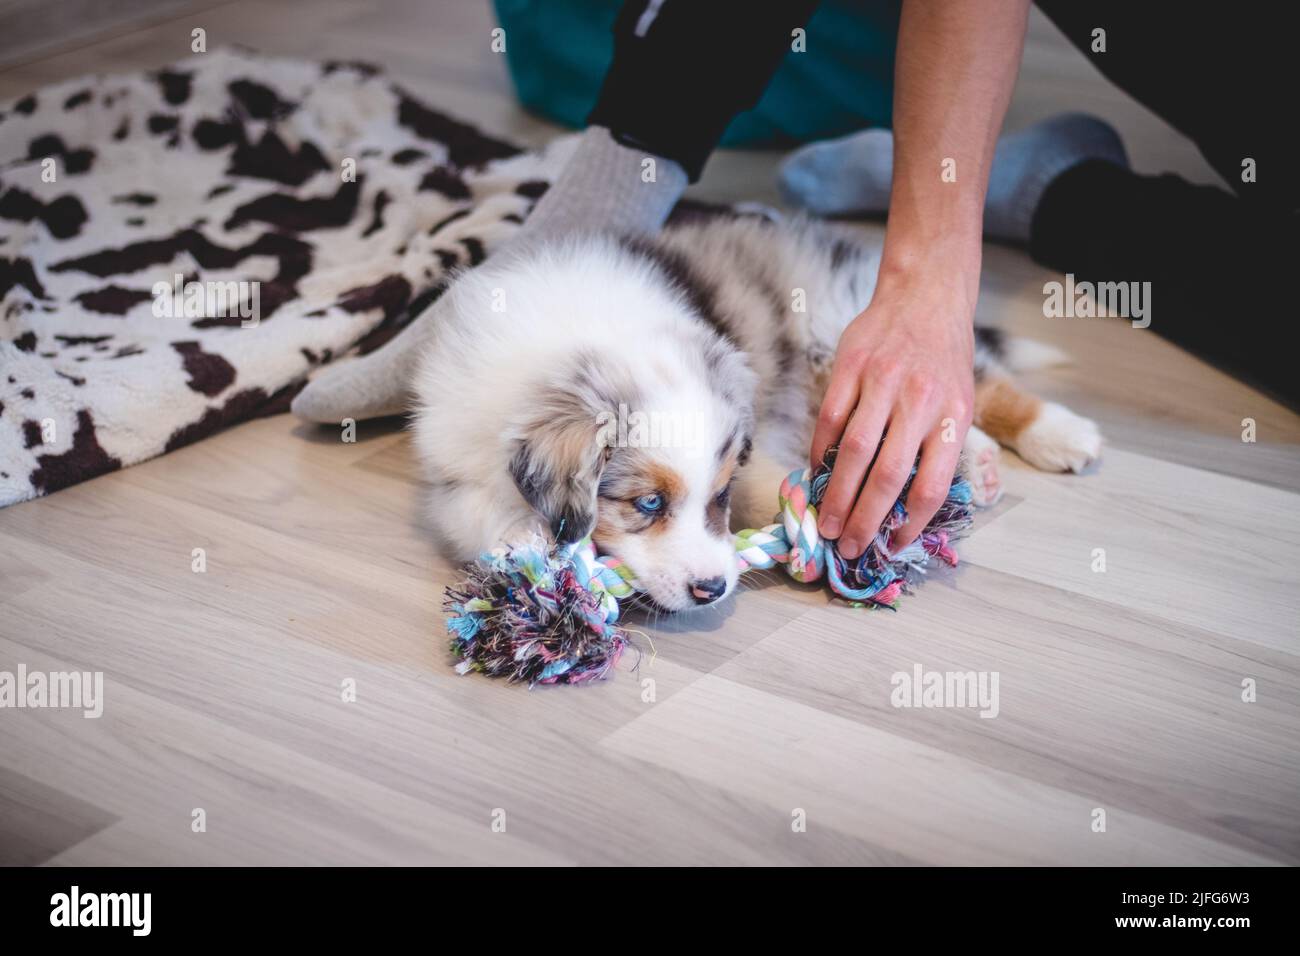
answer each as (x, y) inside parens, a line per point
(854, 174)
(603, 186)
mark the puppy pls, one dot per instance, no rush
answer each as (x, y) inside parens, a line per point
(639, 390)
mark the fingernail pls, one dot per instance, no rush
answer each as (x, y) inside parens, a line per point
(829, 527)
(849, 548)
(897, 544)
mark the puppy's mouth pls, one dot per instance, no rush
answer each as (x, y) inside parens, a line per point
(647, 602)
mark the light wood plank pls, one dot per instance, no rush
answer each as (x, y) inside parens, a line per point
(932, 804)
(1220, 553)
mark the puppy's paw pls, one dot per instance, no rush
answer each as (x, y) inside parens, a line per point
(979, 466)
(1059, 440)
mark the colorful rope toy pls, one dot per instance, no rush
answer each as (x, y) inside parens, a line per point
(547, 615)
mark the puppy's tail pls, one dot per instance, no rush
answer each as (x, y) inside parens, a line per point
(1021, 355)
(994, 347)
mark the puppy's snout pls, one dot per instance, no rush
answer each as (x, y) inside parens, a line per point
(708, 590)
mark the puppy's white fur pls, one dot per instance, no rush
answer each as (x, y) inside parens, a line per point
(727, 328)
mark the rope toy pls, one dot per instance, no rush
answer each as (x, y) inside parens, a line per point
(544, 615)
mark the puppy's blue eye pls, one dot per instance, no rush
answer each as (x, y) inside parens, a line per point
(650, 504)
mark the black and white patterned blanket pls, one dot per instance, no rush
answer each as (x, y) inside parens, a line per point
(142, 217)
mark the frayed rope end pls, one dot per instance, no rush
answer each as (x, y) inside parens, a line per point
(545, 615)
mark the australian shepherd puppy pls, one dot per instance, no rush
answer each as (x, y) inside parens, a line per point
(641, 390)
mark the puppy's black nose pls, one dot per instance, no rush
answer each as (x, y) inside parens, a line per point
(708, 590)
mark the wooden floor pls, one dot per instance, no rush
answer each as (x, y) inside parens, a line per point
(1119, 690)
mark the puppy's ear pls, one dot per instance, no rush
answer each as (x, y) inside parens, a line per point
(746, 450)
(730, 373)
(560, 452)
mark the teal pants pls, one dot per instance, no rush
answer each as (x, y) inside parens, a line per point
(559, 51)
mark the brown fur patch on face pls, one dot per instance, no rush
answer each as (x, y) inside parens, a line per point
(1004, 411)
(667, 482)
(615, 520)
(628, 476)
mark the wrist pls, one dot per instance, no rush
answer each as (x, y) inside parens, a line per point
(946, 270)
(930, 235)
(946, 242)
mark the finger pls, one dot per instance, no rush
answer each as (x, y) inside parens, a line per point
(858, 448)
(929, 488)
(888, 475)
(837, 406)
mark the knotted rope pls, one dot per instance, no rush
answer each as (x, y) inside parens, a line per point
(540, 614)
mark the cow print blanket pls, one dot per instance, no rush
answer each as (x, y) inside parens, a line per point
(339, 198)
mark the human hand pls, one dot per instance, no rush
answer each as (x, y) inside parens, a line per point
(903, 367)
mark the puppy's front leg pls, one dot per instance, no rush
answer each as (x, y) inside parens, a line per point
(979, 466)
(474, 518)
(754, 500)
